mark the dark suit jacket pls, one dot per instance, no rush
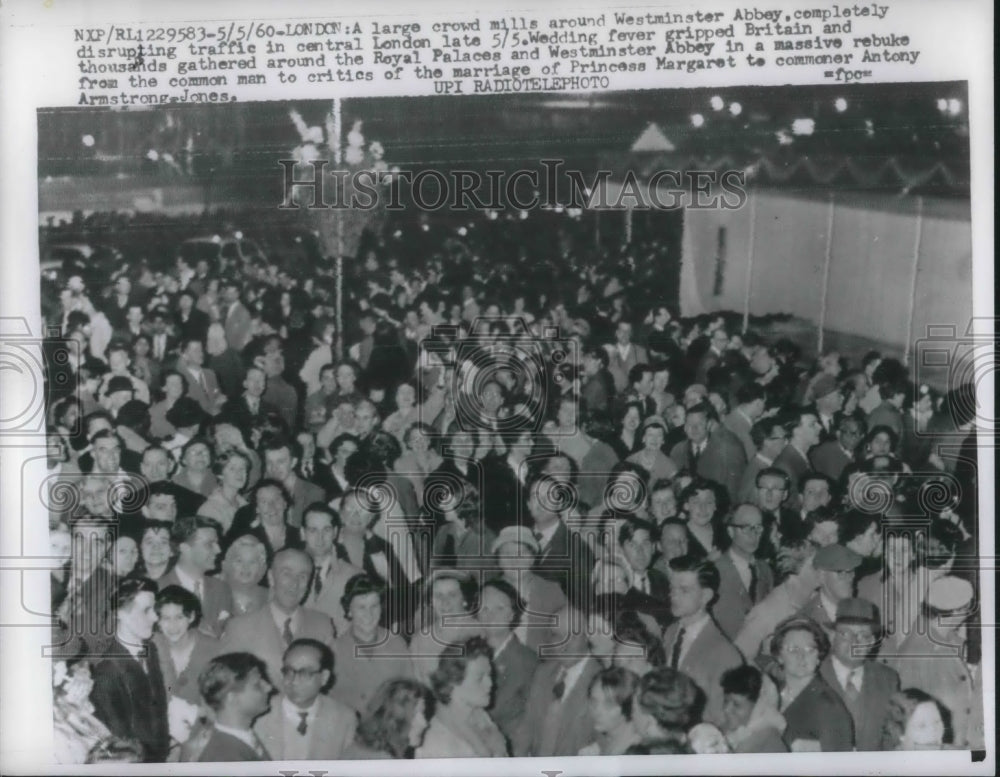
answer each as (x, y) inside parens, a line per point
(740, 426)
(185, 684)
(556, 728)
(829, 459)
(723, 459)
(195, 326)
(598, 391)
(238, 412)
(514, 668)
(795, 465)
(229, 369)
(566, 560)
(226, 747)
(657, 602)
(734, 600)
(818, 713)
(705, 661)
(131, 702)
(245, 522)
(878, 683)
(218, 599)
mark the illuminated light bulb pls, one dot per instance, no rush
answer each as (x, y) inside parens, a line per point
(840, 104)
(735, 109)
(803, 126)
(697, 119)
(87, 140)
(717, 103)
(954, 106)
(942, 104)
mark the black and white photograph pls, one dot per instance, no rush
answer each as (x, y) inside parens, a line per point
(590, 425)
(566, 423)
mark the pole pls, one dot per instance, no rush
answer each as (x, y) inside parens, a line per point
(628, 226)
(340, 284)
(750, 252)
(826, 274)
(913, 281)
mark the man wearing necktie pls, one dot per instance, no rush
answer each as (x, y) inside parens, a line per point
(864, 684)
(270, 630)
(744, 579)
(557, 720)
(237, 688)
(695, 644)
(650, 588)
(304, 722)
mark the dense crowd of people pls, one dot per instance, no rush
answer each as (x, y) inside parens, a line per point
(528, 511)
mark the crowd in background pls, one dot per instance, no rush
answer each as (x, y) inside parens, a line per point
(528, 511)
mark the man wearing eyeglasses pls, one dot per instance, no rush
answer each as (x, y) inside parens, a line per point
(744, 579)
(304, 722)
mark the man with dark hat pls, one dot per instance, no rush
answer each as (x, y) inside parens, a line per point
(186, 416)
(835, 566)
(863, 684)
(828, 401)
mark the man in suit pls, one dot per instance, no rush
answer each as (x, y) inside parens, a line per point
(769, 438)
(249, 408)
(162, 341)
(749, 408)
(710, 450)
(236, 686)
(598, 388)
(831, 457)
(650, 590)
(203, 386)
(196, 541)
(827, 403)
(744, 579)
(129, 696)
(893, 391)
(863, 684)
(835, 566)
(319, 530)
(694, 643)
(623, 356)
(304, 723)
(556, 720)
(772, 493)
(280, 459)
(500, 609)
(563, 556)
(235, 317)
(273, 628)
(640, 387)
(191, 322)
(718, 342)
(803, 433)
(279, 392)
